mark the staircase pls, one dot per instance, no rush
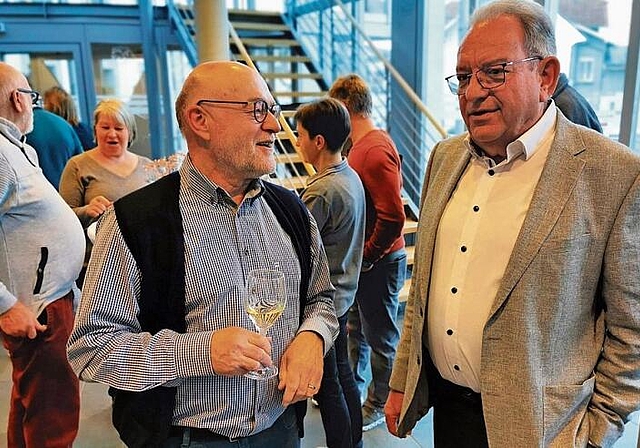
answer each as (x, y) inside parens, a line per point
(262, 39)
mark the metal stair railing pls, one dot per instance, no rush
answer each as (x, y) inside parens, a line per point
(338, 45)
(287, 173)
(290, 135)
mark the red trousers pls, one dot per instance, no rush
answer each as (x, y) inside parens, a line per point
(45, 399)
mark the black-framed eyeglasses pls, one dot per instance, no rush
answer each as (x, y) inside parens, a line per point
(260, 107)
(488, 77)
(35, 96)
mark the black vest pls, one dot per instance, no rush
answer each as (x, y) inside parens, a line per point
(151, 225)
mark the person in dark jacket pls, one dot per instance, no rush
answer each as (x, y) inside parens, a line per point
(55, 141)
(574, 106)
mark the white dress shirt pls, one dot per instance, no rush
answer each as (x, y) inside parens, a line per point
(475, 238)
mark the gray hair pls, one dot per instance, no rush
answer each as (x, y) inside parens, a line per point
(116, 109)
(539, 37)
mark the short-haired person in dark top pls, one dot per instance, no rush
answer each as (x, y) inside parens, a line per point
(171, 333)
(373, 332)
(335, 197)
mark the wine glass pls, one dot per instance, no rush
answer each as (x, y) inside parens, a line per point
(265, 301)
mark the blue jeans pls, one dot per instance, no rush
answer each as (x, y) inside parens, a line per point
(373, 332)
(283, 433)
(338, 397)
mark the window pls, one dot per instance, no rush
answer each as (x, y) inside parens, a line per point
(585, 70)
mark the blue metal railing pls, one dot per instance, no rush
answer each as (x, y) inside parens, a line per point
(331, 35)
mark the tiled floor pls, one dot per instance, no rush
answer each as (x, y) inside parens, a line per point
(96, 430)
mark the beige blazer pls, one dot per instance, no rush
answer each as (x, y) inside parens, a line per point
(557, 369)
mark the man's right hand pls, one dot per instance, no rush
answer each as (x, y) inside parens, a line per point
(236, 351)
(19, 322)
(392, 411)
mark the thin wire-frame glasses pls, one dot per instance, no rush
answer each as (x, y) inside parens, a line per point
(35, 96)
(488, 77)
(260, 107)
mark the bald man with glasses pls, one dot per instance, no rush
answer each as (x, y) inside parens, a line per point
(41, 252)
(522, 328)
(162, 320)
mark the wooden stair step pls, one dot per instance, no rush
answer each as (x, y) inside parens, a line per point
(290, 157)
(262, 15)
(259, 26)
(292, 183)
(410, 226)
(282, 135)
(299, 94)
(269, 42)
(276, 58)
(289, 75)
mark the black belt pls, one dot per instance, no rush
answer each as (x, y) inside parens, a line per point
(447, 389)
(197, 434)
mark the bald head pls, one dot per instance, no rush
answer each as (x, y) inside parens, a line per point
(14, 106)
(220, 80)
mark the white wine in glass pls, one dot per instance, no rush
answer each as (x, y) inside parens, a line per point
(265, 301)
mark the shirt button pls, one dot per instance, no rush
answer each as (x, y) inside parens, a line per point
(456, 367)
(449, 331)
(476, 208)
(454, 290)
(246, 251)
(491, 172)
(463, 249)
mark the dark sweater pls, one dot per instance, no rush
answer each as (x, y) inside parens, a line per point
(55, 141)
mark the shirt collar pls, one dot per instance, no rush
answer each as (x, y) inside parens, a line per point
(328, 170)
(527, 144)
(211, 192)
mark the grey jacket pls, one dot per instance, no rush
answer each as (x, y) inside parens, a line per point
(557, 369)
(41, 239)
(335, 198)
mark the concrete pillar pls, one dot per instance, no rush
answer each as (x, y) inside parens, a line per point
(212, 33)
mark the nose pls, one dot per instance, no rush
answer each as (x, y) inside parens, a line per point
(475, 89)
(271, 123)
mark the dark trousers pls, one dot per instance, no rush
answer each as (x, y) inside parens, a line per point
(458, 421)
(339, 397)
(373, 332)
(282, 434)
(45, 398)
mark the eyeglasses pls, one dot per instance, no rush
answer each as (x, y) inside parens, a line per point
(35, 96)
(488, 77)
(260, 107)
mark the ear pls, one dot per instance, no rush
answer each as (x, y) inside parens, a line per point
(18, 101)
(319, 142)
(549, 73)
(199, 122)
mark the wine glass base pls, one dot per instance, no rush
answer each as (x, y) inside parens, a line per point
(263, 373)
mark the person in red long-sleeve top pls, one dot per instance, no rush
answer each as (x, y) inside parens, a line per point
(373, 333)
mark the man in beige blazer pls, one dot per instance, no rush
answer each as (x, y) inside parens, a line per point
(523, 324)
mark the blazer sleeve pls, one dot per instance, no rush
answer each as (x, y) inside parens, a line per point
(617, 386)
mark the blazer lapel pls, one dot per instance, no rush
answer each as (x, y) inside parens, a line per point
(557, 180)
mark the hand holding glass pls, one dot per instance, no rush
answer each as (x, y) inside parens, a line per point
(265, 301)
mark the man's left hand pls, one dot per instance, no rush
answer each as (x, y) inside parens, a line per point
(301, 368)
